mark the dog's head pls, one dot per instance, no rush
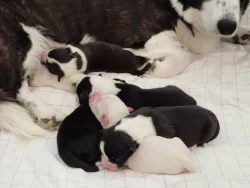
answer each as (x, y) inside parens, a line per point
(108, 108)
(220, 17)
(117, 147)
(65, 61)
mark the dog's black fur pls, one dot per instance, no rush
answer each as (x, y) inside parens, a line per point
(136, 97)
(100, 57)
(192, 124)
(78, 140)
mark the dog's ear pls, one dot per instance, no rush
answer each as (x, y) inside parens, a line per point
(131, 144)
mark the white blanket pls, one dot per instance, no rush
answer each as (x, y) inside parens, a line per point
(219, 82)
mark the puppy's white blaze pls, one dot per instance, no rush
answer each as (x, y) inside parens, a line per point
(83, 56)
(103, 85)
(138, 127)
(16, 119)
(102, 148)
(87, 39)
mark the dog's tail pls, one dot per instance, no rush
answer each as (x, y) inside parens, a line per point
(74, 162)
(211, 130)
(16, 119)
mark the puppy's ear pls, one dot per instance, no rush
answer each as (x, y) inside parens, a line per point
(131, 144)
(104, 120)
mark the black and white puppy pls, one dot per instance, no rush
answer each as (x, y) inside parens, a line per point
(194, 125)
(94, 57)
(133, 96)
(78, 140)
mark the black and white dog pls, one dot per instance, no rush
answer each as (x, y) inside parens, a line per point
(94, 57)
(169, 30)
(132, 95)
(194, 125)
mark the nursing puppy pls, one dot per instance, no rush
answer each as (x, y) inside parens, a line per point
(160, 155)
(108, 108)
(133, 96)
(78, 140)
(93, 57)
(194, 125)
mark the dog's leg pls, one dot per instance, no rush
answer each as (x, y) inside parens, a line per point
(48, 117)
(242, 37)
(169, 56)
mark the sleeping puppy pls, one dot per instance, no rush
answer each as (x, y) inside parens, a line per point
(108, 108)
(78, 140)
(194, 125)
(158, 155)
(133, 96)
(94, 57)
(175, 158)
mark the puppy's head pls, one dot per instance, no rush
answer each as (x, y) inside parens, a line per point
(220, 17)
(93, 83)
(65, 61)
(108, 108)
(117, 147)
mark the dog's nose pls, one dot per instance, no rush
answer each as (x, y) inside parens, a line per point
(227, 27)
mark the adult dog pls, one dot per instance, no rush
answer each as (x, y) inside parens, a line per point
(166, 30)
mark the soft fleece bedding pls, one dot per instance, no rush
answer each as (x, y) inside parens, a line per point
(219, 82)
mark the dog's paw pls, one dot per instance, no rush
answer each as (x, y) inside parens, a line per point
(242, 37)
(48, 117)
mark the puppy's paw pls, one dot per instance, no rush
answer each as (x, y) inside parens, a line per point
(242, 37)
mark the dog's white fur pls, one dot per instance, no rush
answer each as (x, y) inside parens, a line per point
(107, 108)
(138, 127)
(160, 155)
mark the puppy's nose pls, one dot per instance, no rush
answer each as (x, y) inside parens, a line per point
(227, 27)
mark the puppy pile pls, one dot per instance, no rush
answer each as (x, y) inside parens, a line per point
(120, 124)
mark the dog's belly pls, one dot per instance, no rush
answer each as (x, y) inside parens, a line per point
(200, 42)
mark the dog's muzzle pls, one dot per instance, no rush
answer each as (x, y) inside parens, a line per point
(226, 27)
